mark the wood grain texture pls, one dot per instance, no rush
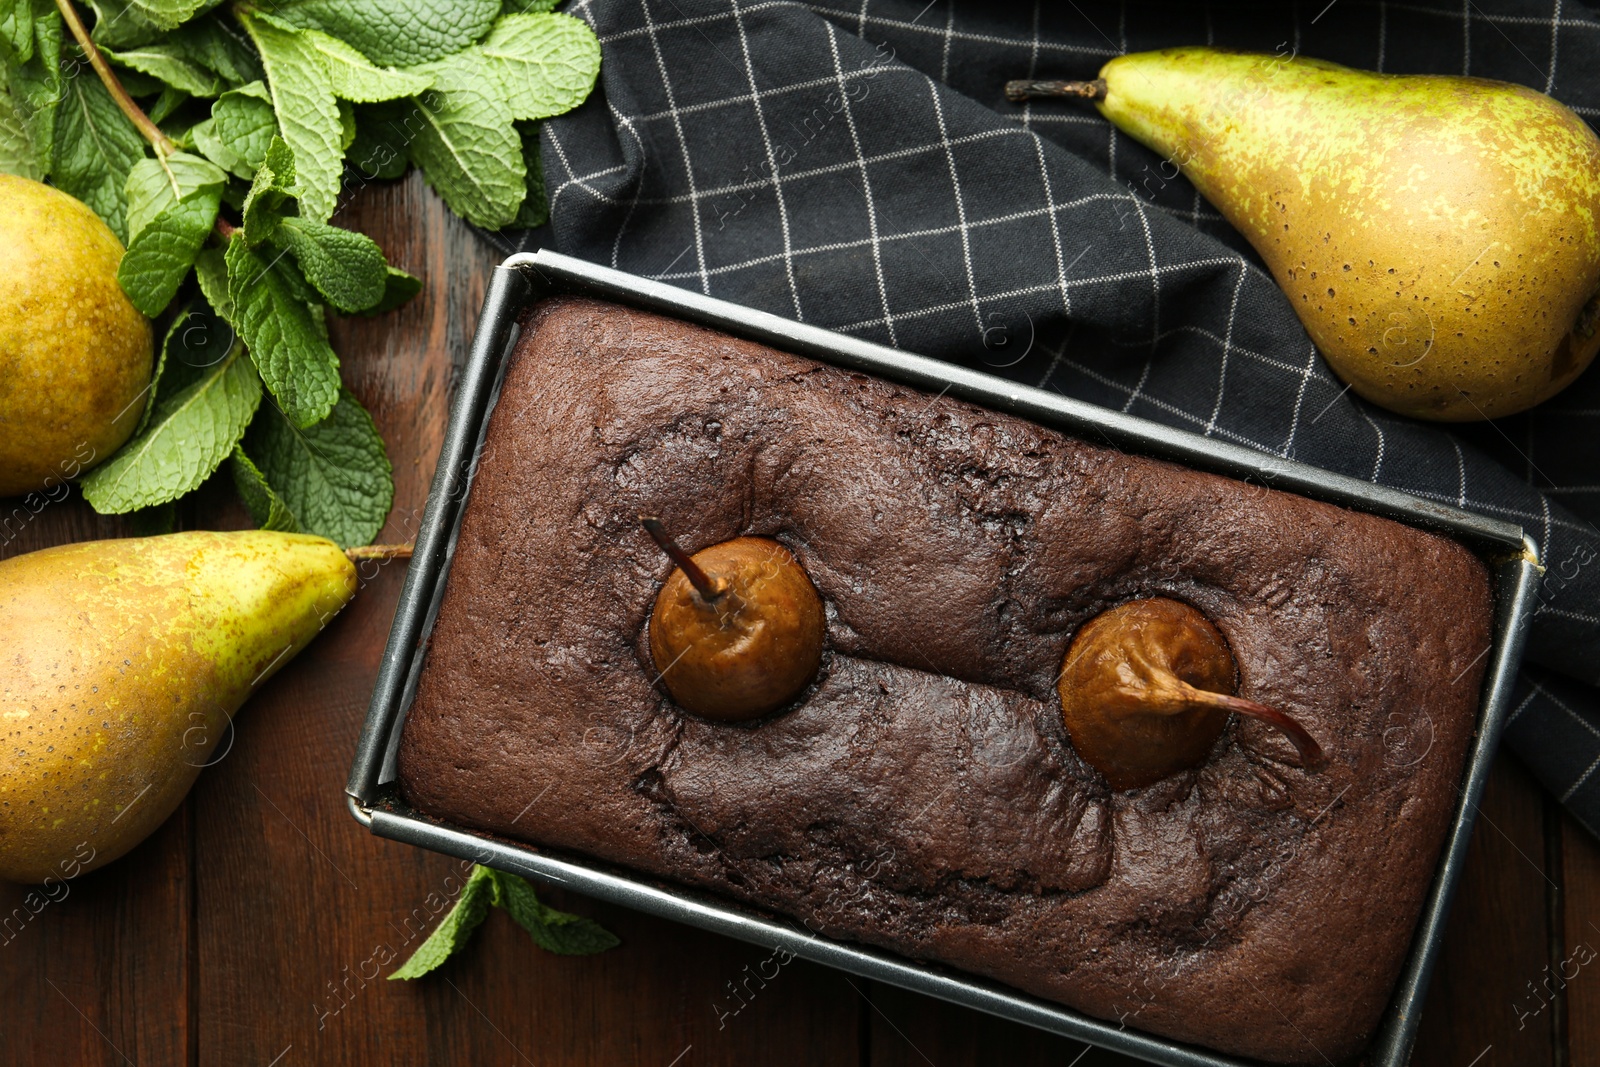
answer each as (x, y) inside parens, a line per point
(1579, 965)
(256, 927)
(910, 1031)
(1497, 940)
(97, 972)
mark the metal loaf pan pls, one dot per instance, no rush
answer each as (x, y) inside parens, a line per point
(525, 278)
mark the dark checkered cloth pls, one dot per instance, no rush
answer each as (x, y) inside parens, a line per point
(857, 167)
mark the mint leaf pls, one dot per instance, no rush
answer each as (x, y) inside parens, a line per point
(203, 136)
(169, 14)
(16, 30)
(287, 339)
(535, 209)
(95, 148)
(399, 287)
(171, 208)
(266, 507)
(117, 24)
(170, 63)
(400, 33)
(135, 83)
(467, 145)
(196, 341)
(155, 381)
(308, 72)
(153, 188)
(211, 271)
(36, 88)
(159, 259)
(379, 150)
(274, 185)
(355, 78)
(552, 930)
(213, 43)
(178, 128)
(16, 147)
(547, 63)
(303, 290)
(189, 436)
(530, 6)
(308, 114)
(167, 104)
(347, 125)
(455, 929)
(334, 476)
(245, 124)
(347, 268)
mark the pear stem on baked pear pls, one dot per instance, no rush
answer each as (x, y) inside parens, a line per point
(1018, 91)
(1163, 691)
(1146, 690)
(710, 589)
(1310, 752)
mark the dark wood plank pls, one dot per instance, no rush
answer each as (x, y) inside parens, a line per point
(95, 970)
(29, 523)
(669, 994)
(909, 1030)
(1579, 965)
(1480, 1009)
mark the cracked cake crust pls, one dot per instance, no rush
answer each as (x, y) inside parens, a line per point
(922, 794)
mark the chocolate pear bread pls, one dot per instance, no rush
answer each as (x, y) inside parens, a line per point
(922, 792)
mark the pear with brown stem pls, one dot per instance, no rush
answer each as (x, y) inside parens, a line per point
(1147, 688)
(1438, 236)
(737, 628)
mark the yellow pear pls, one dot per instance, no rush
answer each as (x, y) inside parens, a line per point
(121, 665)
(1438, 236)
(75, 354)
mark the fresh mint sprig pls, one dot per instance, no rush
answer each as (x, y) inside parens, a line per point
(554, 931)
(216, 140)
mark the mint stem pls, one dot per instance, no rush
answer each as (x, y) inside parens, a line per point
(152, 133)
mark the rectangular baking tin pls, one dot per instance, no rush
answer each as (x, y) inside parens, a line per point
(525, 278)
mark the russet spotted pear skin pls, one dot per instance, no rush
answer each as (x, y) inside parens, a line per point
(1438, 236)
(75, 354)
(123, 662)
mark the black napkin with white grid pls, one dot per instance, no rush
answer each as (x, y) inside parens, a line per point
(855, 165)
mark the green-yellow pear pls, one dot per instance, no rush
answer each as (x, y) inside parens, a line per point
(121, 665)
(1438, 236)
(75, 354)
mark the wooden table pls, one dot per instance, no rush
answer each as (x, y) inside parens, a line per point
(248, 930)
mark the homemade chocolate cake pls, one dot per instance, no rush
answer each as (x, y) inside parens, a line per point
(922, 794)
